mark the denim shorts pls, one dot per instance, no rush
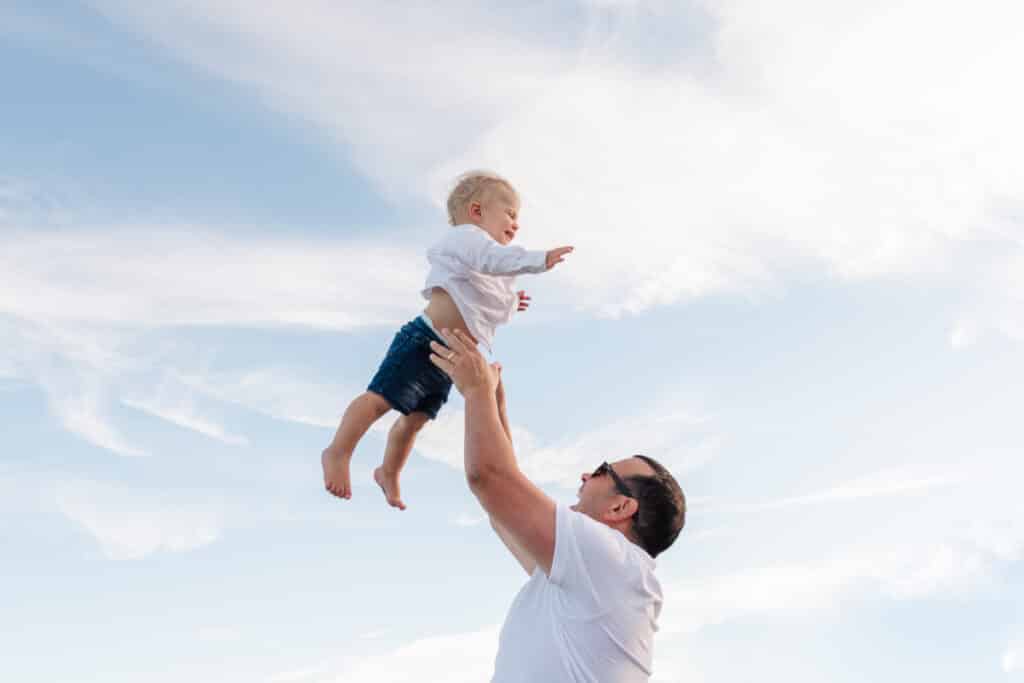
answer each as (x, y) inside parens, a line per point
(406, 377)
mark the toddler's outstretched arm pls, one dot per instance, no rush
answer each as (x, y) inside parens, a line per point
(556, 256)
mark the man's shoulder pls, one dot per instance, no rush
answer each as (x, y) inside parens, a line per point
(594, 538)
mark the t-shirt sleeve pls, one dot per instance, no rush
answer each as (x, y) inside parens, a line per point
(590, 560)
(475, 250)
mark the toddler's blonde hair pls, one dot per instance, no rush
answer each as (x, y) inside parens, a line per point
(474, 186)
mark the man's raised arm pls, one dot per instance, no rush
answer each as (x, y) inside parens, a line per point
(518, 551)
(518, 509)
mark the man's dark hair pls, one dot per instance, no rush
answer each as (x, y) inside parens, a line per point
(661, 511)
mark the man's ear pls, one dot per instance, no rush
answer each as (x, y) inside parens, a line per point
(622, 510)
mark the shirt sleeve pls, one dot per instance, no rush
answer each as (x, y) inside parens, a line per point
(475, 250)
(590, 561)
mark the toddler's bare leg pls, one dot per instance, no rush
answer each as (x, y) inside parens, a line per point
(400, 439)
(360, 414)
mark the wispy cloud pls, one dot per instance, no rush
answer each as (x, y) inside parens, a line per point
(423, 659)
(72, 368)
(466, 520)
(868, 572)
(428, 659)
(276, 392)
(769, 141)
(680, 441)
(904, 481)
(908, 534)
(73, 304)
(150, 276)
(82, 414)
(130, 524)
(184, 415)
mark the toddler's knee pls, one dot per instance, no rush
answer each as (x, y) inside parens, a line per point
(413, 422)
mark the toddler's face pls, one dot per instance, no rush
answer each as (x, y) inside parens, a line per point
(499, 216)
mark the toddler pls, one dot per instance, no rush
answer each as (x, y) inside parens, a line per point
(470, 287)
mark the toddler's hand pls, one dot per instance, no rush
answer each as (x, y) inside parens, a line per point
(556, 256)
(524, 300)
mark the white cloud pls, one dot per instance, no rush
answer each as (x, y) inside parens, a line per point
(680, 441)
(912, 571)
(908, 534)
(71, 366)
(996, 301)
(276, 392)
(895, 481)
(442, 440)
(82, 414)
(150, 276)
(75, 303)
(130, 524)
(816, 140)
(428, 659)
(358, 69)
(466, 520)
(1013, 658)
(183, 415)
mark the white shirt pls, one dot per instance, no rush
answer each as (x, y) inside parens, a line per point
(479, 275)
(593, 620)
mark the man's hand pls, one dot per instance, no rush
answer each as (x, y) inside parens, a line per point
(556, 256)
(524, 299)
(464, 363)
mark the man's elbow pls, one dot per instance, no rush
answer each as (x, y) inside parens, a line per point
(482, 477)
(476, 477)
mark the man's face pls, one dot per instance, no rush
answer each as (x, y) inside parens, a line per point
(598, 492)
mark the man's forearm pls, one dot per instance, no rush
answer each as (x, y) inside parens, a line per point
(503, 416)
(488, 445)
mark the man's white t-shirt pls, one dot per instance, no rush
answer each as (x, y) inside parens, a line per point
(593, 620)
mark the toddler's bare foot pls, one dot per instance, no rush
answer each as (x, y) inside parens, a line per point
(388, 483)
(336, 478)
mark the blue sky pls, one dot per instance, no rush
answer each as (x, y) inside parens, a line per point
(798, 282)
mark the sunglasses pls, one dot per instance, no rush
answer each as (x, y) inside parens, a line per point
(620, 484)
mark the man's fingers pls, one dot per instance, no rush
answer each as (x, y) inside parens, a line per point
(443, 363)
(451, 337)
(440, 357)
(460, 342)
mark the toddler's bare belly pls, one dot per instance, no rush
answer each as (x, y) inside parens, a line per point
(443, 312)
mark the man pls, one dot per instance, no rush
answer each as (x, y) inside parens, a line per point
(589, 611)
